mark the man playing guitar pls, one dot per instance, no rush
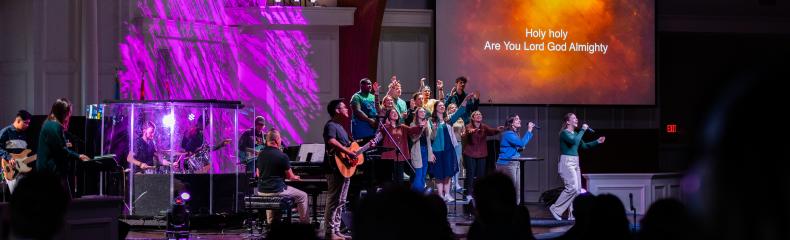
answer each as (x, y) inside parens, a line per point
(336, 142)
(251, 143)
(13, 145)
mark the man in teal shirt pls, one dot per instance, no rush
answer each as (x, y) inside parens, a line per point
(400, 105)
(363, 121)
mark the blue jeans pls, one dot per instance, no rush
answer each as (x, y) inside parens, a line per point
(418, 183)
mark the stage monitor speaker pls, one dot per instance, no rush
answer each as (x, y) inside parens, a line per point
(151, 195)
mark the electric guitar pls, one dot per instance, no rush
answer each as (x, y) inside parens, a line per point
(19, 165)
(348, 165)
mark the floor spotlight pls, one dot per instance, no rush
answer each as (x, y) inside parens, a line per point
(178, 218)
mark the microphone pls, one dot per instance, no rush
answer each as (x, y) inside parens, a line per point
(590, 129)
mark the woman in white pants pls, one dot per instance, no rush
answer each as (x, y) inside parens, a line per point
(570, 141)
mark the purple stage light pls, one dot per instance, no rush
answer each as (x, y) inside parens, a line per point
(185, 196)
(169, 121)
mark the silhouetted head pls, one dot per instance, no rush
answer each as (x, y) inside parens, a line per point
(495, 197)
(607, 219)
(398, 212)
(667, 219)
(38, 206)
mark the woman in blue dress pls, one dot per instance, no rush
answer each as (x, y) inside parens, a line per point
(443, 144)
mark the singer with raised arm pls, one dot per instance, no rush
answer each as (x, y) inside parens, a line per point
(395, 138)
(508, 149)
(476, 150)
(568, 167)
(443, 144)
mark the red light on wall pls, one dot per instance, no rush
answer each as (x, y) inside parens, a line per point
(672, 128)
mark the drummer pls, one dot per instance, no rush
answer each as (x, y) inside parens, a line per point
(145, 152)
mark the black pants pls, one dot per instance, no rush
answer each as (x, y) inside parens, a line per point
(475, 169)
(389, 172)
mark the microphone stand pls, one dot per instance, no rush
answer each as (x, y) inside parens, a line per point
(633, 209)
(398, 151)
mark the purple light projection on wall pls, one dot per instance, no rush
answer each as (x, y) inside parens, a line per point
(226, 50)
(290, 96)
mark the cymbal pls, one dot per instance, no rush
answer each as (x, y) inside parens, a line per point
(166, 150)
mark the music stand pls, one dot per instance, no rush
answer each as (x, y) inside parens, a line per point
(311, 153)
(521, 163)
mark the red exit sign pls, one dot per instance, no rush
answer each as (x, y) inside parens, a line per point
(672, 128)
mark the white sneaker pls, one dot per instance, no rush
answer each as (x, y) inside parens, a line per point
(555, 215)
(449, 197)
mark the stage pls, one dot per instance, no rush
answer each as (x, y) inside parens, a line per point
(543, 226)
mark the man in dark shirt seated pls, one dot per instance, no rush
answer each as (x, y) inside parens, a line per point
(273, 168)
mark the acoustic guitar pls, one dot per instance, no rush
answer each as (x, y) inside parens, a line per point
(348, 165)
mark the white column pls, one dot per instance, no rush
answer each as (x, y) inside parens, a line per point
(89, 56)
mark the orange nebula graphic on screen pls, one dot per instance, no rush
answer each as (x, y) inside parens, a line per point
(623, 75)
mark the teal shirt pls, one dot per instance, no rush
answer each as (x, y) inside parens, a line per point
(570, 143)
(400, 106)
(361, 129)
(53, 155)
(438, 143)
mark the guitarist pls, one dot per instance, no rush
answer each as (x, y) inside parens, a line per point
(13, 140)
(336, 141)
(249, 143)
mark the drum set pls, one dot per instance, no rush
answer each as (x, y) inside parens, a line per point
(180, 162)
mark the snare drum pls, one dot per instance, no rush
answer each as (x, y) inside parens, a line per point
(156, 170)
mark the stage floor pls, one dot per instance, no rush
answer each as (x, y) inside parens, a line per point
(543, 226)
